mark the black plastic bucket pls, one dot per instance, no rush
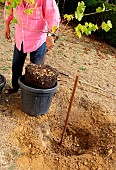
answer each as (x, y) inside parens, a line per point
(2, 82)
(35, 101)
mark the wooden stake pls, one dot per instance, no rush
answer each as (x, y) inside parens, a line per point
(69, 109)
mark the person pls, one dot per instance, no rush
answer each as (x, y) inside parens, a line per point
(30, 33)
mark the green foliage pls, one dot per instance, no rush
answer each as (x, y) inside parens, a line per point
(2, 1)
(32, 1)
(100, 9)
(68, 17)
(29, 11)
(106, 26)
(54, 28)
(110, 36)
(14, 21)
(14, 3)
(82, 68)
(87, 28)
(97, 18)
(11, 4)
(80, 11)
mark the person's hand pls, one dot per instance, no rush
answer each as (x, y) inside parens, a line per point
(7, 31)
(49, 42)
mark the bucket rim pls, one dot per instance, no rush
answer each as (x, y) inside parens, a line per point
(36, 90)
(3, 83)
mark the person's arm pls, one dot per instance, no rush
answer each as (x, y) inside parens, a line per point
(7, 29)
(7, 20)
(49, 41)
(52, 18)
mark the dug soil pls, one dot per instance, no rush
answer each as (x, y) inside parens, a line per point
(32, 142)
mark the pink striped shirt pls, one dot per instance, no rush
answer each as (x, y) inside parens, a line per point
(30, 28)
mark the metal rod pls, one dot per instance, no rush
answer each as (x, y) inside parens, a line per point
(69, 109)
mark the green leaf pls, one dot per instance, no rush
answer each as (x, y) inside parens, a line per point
(86, 24)
(94, 28)
(29, 11)
(18, 1)
(78, 34)
(87, 32)
(3, 1)
(68, 17)
(15, 21)
(54, 28)
(99, 9)
(109, 23)
(81, 7)
(79, 26)
(65, 16)
(105, 26)
(90, 24)
(76, 28)
(8, 7)
(79, 29)
(7, 12)
(82, 68)
(78, 15)
(103, 8)
(14, 4)
(84, 29)
(32, 1)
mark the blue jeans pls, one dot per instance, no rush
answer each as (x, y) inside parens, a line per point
(18, 61)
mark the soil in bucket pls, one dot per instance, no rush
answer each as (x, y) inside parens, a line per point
(40, 76)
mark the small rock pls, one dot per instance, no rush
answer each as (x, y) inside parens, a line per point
(110, 151)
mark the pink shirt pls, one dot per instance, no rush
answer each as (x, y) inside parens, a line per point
(30, 28)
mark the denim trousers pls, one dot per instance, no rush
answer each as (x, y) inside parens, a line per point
(18, 61)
